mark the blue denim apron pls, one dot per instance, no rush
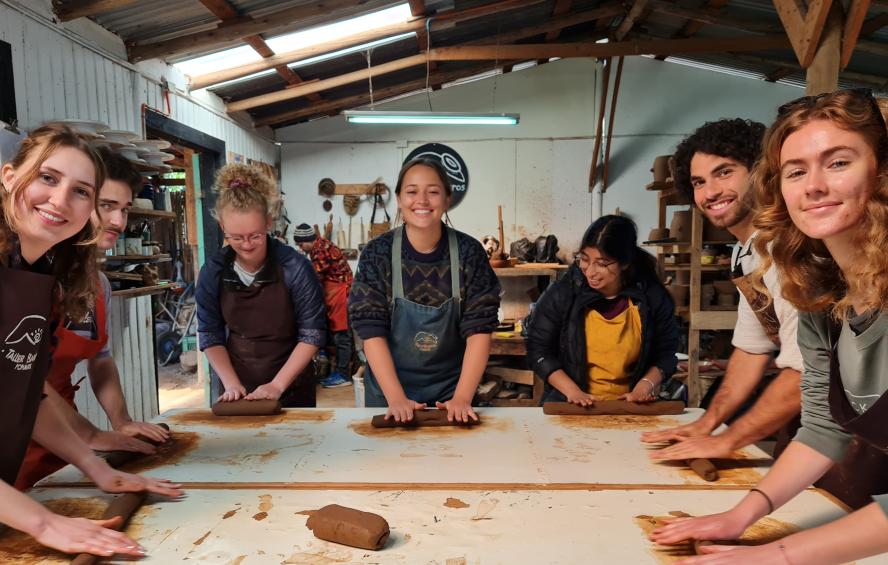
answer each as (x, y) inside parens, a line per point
(426, 345)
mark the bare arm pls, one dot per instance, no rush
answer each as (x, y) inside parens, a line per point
(218, 357)
(105, 382)
(459, 408)
(566, 386)
(379, 357)
(299, 358)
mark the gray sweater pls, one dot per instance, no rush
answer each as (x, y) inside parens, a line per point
(863, 359)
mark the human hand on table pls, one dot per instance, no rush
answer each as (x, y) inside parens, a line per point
(694, 429)
(147, 430)
(402, 409)
(723, 526)
(768, 554)
(458, 410)
(79, 535)
(708, 447)
(581, 398)
(268, 391)
(117, 441)
(643, 391)
(233, 393)
(111, 480)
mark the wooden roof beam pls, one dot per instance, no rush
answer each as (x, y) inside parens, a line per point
(874, 24)
(561, 7)
(415, 26)
(522, 52)
(228, 32)
(714, 17)
(779, 73)
(854, 20)
(804, 30)
(73, 9)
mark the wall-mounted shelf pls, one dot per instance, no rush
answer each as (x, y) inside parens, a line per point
(152, 214)
(160, 258)
(142, 290)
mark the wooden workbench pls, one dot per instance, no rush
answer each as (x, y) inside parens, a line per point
(554, 489)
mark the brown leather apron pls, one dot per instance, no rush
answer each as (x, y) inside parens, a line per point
(25, 309)
(262, 333)
(760, 303)
(864, 470)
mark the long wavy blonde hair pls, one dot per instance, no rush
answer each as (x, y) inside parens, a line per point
(810, 278)
(74, 259)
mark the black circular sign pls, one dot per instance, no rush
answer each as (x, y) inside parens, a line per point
(451, 161)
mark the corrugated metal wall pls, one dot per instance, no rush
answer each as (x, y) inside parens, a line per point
(57, 77)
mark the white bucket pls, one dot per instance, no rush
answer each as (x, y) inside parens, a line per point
(358, 385)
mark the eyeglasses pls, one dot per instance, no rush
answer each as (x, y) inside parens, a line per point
(252, 238)
(583, 262)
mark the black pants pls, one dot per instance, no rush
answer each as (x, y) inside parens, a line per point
(343, 342)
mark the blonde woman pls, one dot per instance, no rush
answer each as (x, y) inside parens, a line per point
(260, 307)
(822, 192)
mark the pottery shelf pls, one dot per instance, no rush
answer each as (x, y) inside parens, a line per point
(144, 213)
(142, 290)
(689, 267)
(160, 258)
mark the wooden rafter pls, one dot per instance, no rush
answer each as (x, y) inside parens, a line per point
(522, 52)
(74, 9)
(779, 73)
(224, 34)
(854, 20)
(561, 7)
(691, 27)
(445, 18)
(803, 29)
(559, 23)
(634, 14)
(710, 16)
(417, 7)
(878, 81)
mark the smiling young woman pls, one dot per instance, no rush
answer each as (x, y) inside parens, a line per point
(822, 194)
(425, 302)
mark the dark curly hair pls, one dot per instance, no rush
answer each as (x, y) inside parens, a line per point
(737, 139)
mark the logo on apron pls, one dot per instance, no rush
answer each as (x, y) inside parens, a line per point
(29, 330)
(425, 342)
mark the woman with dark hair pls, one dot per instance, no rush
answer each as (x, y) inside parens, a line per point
(424, 301)
(607, 329)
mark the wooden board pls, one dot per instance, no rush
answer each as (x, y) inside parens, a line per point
(535, 526)
(339, 447)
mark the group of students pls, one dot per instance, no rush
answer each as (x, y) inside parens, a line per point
(807, 199)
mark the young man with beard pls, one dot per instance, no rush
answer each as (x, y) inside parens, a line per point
(713, 166)
(88, 340)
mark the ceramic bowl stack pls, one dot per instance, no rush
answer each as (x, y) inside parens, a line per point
(87, 128)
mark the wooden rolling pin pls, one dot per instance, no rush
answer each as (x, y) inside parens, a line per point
(615, 408)
(124, 506)
(118, 459)
(247, 408)
(348, 526)
(704, 468)
(422, 418)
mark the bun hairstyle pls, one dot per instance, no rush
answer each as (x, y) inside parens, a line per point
(74, 262)
(245, 188)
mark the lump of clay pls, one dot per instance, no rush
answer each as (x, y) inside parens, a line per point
(349, 527)
(421, 419)
(247, 408)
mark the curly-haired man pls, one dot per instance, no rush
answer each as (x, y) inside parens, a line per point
(713, 167)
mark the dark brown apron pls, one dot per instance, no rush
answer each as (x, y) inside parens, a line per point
(262, 332)
(25, 339)
(760, 303)
(864, 470)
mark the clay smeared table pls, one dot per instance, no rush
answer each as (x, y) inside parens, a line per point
(247, 526)
(339, 449)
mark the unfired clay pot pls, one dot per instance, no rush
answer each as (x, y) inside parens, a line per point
(657, 234)
(661, 168)
(679, 293)
(683, 277)
(680, 228)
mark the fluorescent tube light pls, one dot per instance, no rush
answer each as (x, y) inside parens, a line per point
(429, 118)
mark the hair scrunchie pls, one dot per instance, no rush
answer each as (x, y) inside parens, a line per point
(238, 183)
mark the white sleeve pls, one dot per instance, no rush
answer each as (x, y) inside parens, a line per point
(790, 357)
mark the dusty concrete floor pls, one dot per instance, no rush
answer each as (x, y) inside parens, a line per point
(182, 390)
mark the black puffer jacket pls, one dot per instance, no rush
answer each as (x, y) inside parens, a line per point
(556, 331)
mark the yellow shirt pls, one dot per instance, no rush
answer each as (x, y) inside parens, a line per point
(612, 349)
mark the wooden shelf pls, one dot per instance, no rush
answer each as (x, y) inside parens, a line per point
(142, 290)
(154, 214)
(713, 320)
(703, 268)
(161, 258)
(528, 271)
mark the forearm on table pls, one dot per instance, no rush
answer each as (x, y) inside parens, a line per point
(474, 363)
(19, 511)
(379, 357)
(654, 376)
(299, 359)
(795, 470)
(218, 357)
(105, 382)
(563, 383)
(855, 536)
(780, 402)
(744, 372)
(83, 428)
(52, 431)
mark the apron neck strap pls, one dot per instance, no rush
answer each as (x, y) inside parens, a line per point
(398, 276)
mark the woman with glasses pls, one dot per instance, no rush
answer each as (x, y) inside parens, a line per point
(822, 193)
(607, 329)
(260, 308)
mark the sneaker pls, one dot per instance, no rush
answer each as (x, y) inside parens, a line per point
(335, 380)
